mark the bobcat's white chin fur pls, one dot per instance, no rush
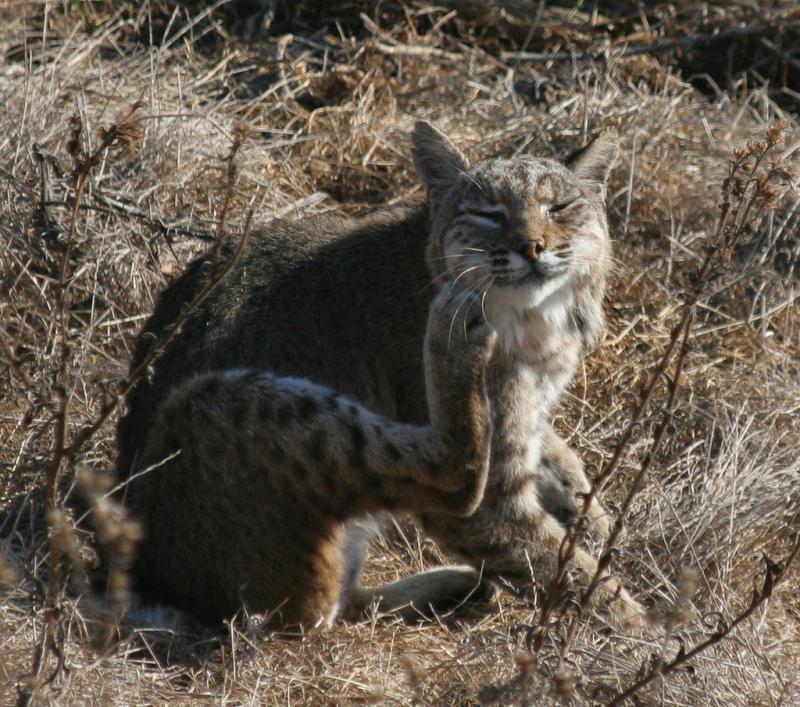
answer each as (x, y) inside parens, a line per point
(520, 314)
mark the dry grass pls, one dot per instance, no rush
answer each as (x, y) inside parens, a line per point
(329, 112)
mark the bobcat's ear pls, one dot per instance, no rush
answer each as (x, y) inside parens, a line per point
(594, 161)
(438, 160)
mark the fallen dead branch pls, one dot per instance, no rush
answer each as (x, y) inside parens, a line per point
(702, 40)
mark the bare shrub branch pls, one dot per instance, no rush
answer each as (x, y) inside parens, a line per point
(747, 192)
(774, 574)
(116, 534)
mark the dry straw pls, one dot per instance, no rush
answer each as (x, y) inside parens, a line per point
(118, 163)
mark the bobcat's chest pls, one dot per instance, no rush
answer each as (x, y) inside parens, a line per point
(522, 394)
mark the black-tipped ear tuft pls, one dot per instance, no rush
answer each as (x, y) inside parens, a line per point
(594, 161)
(438, 160)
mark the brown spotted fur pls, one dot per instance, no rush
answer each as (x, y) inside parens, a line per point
(253, 476)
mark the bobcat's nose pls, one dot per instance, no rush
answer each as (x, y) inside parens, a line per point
(531, 251)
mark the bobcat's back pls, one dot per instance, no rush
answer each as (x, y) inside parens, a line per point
(339, 302)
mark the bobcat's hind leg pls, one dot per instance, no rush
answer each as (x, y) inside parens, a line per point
(445, 466)
(561, 483)
(458, 346)
(420, 597)
(416, 598)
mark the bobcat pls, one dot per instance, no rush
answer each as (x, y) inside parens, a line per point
(297, 398)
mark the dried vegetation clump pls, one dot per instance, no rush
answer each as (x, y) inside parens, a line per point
(135, 135)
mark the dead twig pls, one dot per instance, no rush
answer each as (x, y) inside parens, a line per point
(774, 574)
(116, 206)
(388, 45)
(127, 134)
(86, 433)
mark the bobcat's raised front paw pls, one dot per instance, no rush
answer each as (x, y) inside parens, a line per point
(457, 326)
(458, 347)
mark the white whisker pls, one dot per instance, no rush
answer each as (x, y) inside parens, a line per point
(471, 178)
(468, 293)
(483, 298)
(464, 272)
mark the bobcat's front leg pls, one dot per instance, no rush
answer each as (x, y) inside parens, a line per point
(514, 539)
(561, 484)
(458, 347)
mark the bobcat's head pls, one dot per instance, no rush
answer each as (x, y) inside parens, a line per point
(528, 235)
